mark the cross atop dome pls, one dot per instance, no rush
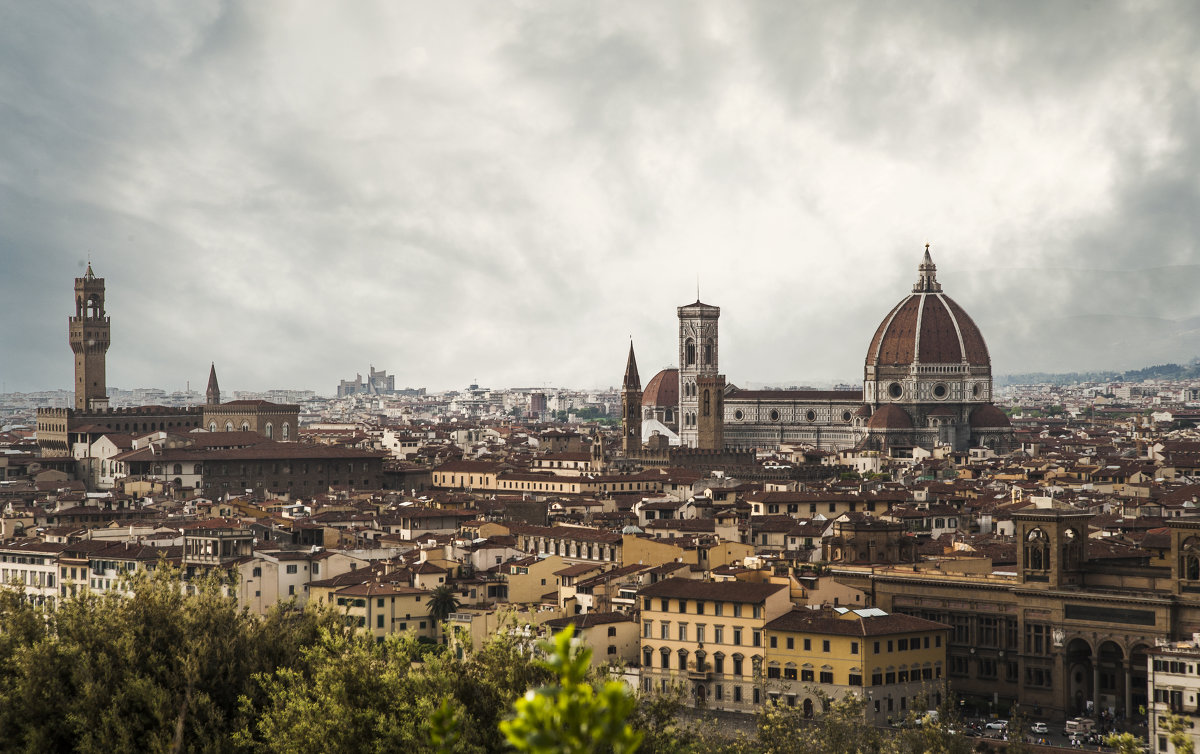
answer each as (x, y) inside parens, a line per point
(927, 280)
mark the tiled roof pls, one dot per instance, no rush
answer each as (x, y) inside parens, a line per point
(720, 591)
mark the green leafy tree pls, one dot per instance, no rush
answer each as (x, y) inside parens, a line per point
(841, 728)
(934, 734)
(1125, 743)
(1179, 736)
(442, 602)
(572, 717)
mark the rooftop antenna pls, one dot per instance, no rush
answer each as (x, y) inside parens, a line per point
(697, 286)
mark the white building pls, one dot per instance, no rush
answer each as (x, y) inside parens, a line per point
(1173, 679)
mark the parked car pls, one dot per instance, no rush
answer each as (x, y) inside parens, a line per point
(1039, 728)
(997, 725)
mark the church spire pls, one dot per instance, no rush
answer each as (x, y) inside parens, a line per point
(213, 395)
(927, 276)
(631, 373)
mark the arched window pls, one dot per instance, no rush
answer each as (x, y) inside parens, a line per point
(178, 469)
(1037, 550)
(707, 403)
(212, 426)
(245, 426)
(286, 429)
(228, 426)
(270, 431)
(689, 350)
(708, 351)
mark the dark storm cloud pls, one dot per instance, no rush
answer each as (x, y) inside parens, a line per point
(507, 191)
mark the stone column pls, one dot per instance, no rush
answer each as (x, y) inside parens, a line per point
(1128, 687)
(1095, 685)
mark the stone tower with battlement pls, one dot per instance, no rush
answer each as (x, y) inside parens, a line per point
(88, 334)
(697, 357)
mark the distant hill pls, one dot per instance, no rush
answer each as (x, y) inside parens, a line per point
(1189, 371)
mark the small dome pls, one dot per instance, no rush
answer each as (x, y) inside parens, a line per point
(863, 411)
(927, 327)
(662, 389)
(890, 416)
(989, 417)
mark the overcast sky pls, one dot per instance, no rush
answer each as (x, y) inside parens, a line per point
(505, 192)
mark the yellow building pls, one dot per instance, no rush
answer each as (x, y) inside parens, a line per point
(386, 608)
(531, 580)
(710, 637)
(896, 663)
(612, 637)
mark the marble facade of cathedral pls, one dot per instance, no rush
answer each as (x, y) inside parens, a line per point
(927, 382)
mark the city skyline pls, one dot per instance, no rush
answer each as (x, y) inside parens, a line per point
(505, 194)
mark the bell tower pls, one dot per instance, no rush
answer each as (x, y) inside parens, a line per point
(631, 407)
(697, 358)
(212, 396)
(88, 334)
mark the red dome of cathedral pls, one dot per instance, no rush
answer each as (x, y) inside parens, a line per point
(989, 417)
(927, 327)
(662, 389)
(890, 416)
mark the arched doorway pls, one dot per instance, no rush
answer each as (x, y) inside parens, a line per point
(807, 707)
(1078, 661)
(701, 695)
(1110, 674)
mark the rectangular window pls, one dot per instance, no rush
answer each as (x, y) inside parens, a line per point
(737, 610)
(291, 568)
(737, 693)
(647, 629)
(773, 642)
(806, 676)
(789, 674)
(902, 645)
(664, 629)
(808, 645)
(683, 606)
(855, 680)
(719, 634)
(699, 633)
(717, 609)
(737, 666)
(683, 632)
(791, 643)
(379, 621)
(853, 647)
(825, 645)
(826, 676)
(737, 636)
(757, 638)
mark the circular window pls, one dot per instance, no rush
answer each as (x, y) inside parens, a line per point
(774, 416)
(845, 416)
(895, 390)
(977, 390)
(939, 390)
(811, 416)
(737, 415)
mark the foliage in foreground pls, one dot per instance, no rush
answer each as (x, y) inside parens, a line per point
(161, 670)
